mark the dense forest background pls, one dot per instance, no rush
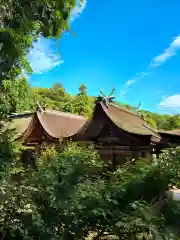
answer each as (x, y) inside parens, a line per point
(22, 97)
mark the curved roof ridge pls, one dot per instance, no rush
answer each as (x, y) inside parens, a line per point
(128, 121)
(84, 127)
(135, 114)
(59, 113)
(153, 130)
(45, 128)
(59, 124)
(28, 130)
(126, 110)
(175, 131)
(19, 115)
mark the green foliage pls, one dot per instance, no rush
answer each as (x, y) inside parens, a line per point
(72, 194)
(155, 120)
(82, 90)
(17, 96)
(21, 23)
(169, 122)
(57, 98)
(54, 98)
(83, 104)
(21, 97)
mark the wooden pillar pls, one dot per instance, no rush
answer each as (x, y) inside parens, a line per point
(136, 155)
(37, 148)
(158, 152)
(157, 155)
(114, 163)
(148, 155)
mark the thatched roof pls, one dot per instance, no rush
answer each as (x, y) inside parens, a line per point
(175, 132)
(61, 125)
(19, 123)
(129, 121)
(123, 119)
(54, 124)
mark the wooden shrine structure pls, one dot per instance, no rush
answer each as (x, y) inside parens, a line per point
(46, 127)
(119, 134)
(172, 136)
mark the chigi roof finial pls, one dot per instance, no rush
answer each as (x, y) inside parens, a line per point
(106, 99)
(136, 109)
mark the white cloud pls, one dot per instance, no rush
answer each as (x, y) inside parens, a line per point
(130, 82)
(126, 87)
(167, 53)
(142, 74)
(43, 56)
(77, 11)
(171, 102)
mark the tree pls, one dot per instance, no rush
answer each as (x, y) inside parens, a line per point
(21, 23)
(58, 86)
(18, 96)
(157, 121)
(82, 90)
(55, 98)
(149, 118)
(72, 194)
(170, 122)
(83, 104)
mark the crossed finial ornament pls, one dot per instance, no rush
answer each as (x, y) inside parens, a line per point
(138, 107)
(106, 99)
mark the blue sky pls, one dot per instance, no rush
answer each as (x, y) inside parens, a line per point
(133, 46)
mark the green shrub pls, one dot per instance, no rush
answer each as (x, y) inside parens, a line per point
(70, 196)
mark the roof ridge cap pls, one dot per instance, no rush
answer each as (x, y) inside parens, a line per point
(126, 110)
(153, 130)
(173, 131)
(19, 115)
(63, 113)
(135, 114)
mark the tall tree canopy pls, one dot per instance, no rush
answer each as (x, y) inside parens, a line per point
(18, 95)
(83, 104)
(21, 21)
(21, 97)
